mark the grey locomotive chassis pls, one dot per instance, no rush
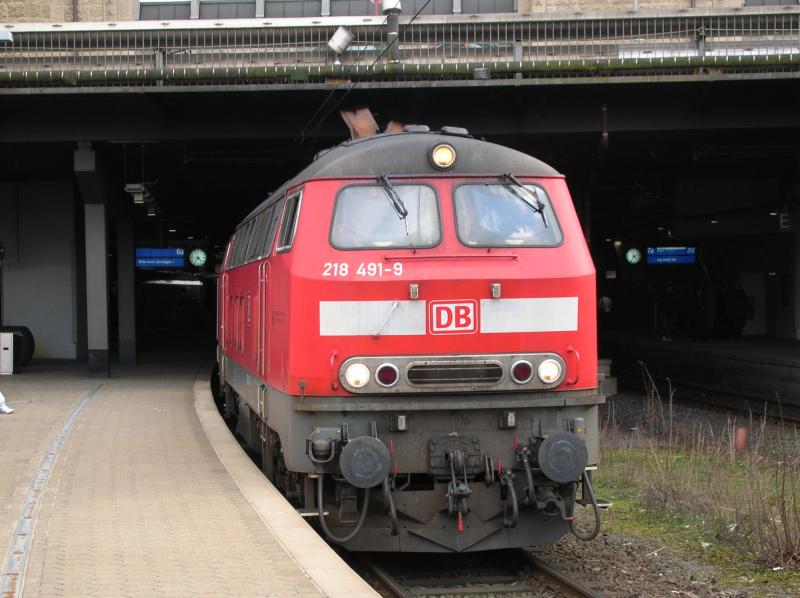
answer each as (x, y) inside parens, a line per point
(474, 419)
(297, 417)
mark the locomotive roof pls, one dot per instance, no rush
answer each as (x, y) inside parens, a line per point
(407, 154)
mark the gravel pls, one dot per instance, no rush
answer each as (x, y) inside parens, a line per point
(618, 566)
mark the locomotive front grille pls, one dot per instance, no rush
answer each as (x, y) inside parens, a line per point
(455, 373)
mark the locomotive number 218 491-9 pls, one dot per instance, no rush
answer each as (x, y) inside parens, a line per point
(364, 269)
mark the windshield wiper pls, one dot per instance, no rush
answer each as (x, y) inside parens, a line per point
(394, 198)
(526, 195)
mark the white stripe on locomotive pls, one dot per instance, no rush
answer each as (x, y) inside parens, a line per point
(364, 318)
(542, 314)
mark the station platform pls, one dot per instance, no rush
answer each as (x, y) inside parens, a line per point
(133, 486)
(759, 372)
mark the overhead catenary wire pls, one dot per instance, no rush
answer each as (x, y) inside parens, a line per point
(302, 136)
(352, 85)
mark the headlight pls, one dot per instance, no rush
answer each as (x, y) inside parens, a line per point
(357, 375)
(443, 156)
(549, 371)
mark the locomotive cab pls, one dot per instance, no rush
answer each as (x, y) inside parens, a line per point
(413, 316)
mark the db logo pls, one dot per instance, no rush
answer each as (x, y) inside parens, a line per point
(453, 317)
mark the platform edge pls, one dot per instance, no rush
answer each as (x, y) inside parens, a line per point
(326, 569)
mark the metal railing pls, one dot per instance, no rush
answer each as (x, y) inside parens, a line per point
(429, 48)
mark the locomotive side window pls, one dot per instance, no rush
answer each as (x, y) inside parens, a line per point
(256, 246)
(263, 233)
(273, 216)
(289, 226)
(228, 254)
(497, 215)
(241, 242)
(366, 217)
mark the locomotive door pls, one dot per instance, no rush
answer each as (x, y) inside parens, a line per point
(222, 311)
(262, 319)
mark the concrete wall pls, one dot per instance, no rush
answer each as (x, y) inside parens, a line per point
(122, 10)
(587, 6)
(39, 280)
(37, 11)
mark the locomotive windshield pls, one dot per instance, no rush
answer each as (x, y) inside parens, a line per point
(366, 218)
(494, 215)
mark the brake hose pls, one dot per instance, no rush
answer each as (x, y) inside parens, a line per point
(587, 487)
(321, 507)
(509, 482)
(387, 495)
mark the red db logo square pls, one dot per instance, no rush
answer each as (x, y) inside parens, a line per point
(453, 317)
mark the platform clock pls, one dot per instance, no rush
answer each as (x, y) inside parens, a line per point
(633, 256)
(198, 258)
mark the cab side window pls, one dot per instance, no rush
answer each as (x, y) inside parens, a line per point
(291, 213)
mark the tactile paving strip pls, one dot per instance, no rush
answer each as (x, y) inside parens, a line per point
(138, 504)
(11, 578)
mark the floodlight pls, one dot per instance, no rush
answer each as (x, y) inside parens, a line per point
(339, 42)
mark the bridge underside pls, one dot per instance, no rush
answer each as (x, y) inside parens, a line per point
(671, 154)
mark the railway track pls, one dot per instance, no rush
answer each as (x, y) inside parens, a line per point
(709, 394)
(504, 573)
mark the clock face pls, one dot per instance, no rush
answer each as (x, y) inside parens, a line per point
(633, 256)
(197, 257)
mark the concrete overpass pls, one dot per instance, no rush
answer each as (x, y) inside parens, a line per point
(639, 110)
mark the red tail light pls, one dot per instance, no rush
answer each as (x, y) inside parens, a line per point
(387, 375)
(521, 372)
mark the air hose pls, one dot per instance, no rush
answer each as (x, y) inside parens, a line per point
(387, 496)
(587, 487)
(321, 507)
(509, 482)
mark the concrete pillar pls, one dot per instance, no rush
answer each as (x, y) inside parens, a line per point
(97, 289)
(93, 191)
(126, 289)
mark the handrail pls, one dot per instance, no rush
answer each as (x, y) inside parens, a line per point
(265, 51)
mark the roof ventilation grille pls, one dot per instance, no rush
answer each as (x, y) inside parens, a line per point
(456, 131)
(416, 129)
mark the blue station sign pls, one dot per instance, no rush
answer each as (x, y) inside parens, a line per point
(151, 257)
(671, 255)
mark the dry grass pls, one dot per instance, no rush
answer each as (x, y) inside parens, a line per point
(690, 469)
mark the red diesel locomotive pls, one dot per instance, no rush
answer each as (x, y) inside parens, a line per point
(407, 337)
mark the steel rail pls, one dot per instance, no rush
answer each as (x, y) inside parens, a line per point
(387, 580)
(562, 578)
(397, 588)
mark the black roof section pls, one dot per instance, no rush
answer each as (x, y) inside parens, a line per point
(408, 154)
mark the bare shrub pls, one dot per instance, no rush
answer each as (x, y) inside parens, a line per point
(691, 469)
(769, 512)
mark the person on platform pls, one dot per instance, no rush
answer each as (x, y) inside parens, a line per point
(605, 307)
(4, 409)
(736, 305)
(667, 312)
